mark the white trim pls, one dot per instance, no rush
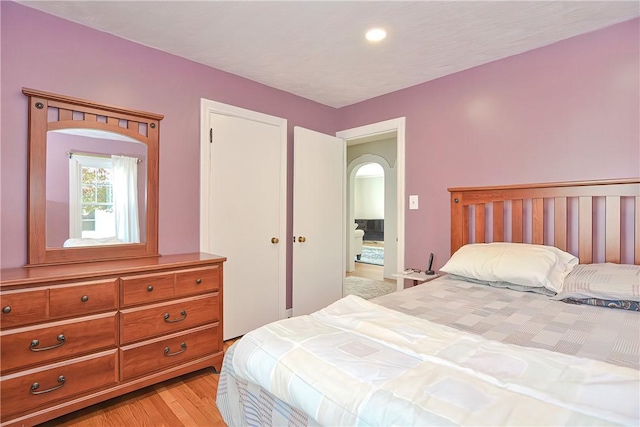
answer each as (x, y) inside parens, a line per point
(206, 108)
(397, 125)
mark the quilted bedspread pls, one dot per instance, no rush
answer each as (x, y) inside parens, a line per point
(524, 318)
(357, 363)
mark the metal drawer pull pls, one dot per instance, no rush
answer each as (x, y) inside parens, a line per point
(84, 298)
(61, 379)
(6, 310)
(198, 281)
(183, 346)
(61, 339)
(149, 288)
(183, 313)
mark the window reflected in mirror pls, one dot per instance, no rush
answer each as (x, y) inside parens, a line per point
(95, 189)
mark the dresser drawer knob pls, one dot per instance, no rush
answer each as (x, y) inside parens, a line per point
(167, 316)
(167, 350)
(84, 298)
(149, 288)
(198, 281)
(6, 310)
(35, 343)
(35, 386)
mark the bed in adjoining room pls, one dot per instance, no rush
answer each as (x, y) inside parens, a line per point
(535, 323)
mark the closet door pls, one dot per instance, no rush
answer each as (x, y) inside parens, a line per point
(245, 217)
(318, 220)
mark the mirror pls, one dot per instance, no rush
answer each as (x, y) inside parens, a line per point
(83, 207)
(93, 174)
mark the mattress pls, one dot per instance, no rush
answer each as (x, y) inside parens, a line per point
(521, 318)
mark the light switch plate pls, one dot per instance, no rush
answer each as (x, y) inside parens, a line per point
(413, 202)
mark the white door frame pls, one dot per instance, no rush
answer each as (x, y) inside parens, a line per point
(206, 108)
(397, 125)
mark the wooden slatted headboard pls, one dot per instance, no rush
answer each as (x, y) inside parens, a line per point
(591, 219)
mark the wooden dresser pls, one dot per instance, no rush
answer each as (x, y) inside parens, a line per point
(77, 334)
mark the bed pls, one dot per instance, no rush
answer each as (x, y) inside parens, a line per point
(523, 342)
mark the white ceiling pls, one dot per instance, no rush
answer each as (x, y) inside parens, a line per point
(317, 49)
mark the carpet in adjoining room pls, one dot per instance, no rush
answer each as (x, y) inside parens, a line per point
(366, 288)
(372, 255)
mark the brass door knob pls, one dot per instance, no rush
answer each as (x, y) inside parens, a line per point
(302, 239)
(274, 240)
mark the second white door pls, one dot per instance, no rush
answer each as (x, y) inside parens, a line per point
(318, 220)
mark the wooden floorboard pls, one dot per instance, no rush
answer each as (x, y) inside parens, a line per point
(370, 271)
(188, 400)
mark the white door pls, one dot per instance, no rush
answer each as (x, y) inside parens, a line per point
(246, 215)
(318, 220)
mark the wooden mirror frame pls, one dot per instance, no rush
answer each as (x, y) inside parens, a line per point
(74, 113)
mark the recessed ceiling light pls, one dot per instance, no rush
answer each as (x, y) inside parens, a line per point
(376, 34)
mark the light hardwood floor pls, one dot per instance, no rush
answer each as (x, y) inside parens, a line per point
(188, 400)
(370, 271)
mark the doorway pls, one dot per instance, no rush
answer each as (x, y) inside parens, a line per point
(367, 180)
(392, 158)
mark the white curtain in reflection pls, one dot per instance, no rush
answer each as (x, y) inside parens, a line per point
(75, 198)
(125, 198)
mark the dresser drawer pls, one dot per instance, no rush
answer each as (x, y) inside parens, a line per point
(24, 307)
(53, 341)
(149, 321)
(157, 354)
(197, 280)
(19, 392)
(146, 288)
(88, 297)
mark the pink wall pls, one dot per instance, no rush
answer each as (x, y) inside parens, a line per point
(43, 52)
(564, 112)
(569, 111)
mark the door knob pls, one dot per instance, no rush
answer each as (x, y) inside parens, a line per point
(302, 239)
(274, 240)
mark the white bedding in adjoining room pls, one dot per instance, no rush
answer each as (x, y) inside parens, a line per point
(357, 363)
(92, 241)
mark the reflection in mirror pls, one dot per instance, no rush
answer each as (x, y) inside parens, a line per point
(95, 188)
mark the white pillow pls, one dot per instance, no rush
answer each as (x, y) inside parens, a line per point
(519, 263)
(608, 281)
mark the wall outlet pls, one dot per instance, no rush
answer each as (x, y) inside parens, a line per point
(413, 201)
